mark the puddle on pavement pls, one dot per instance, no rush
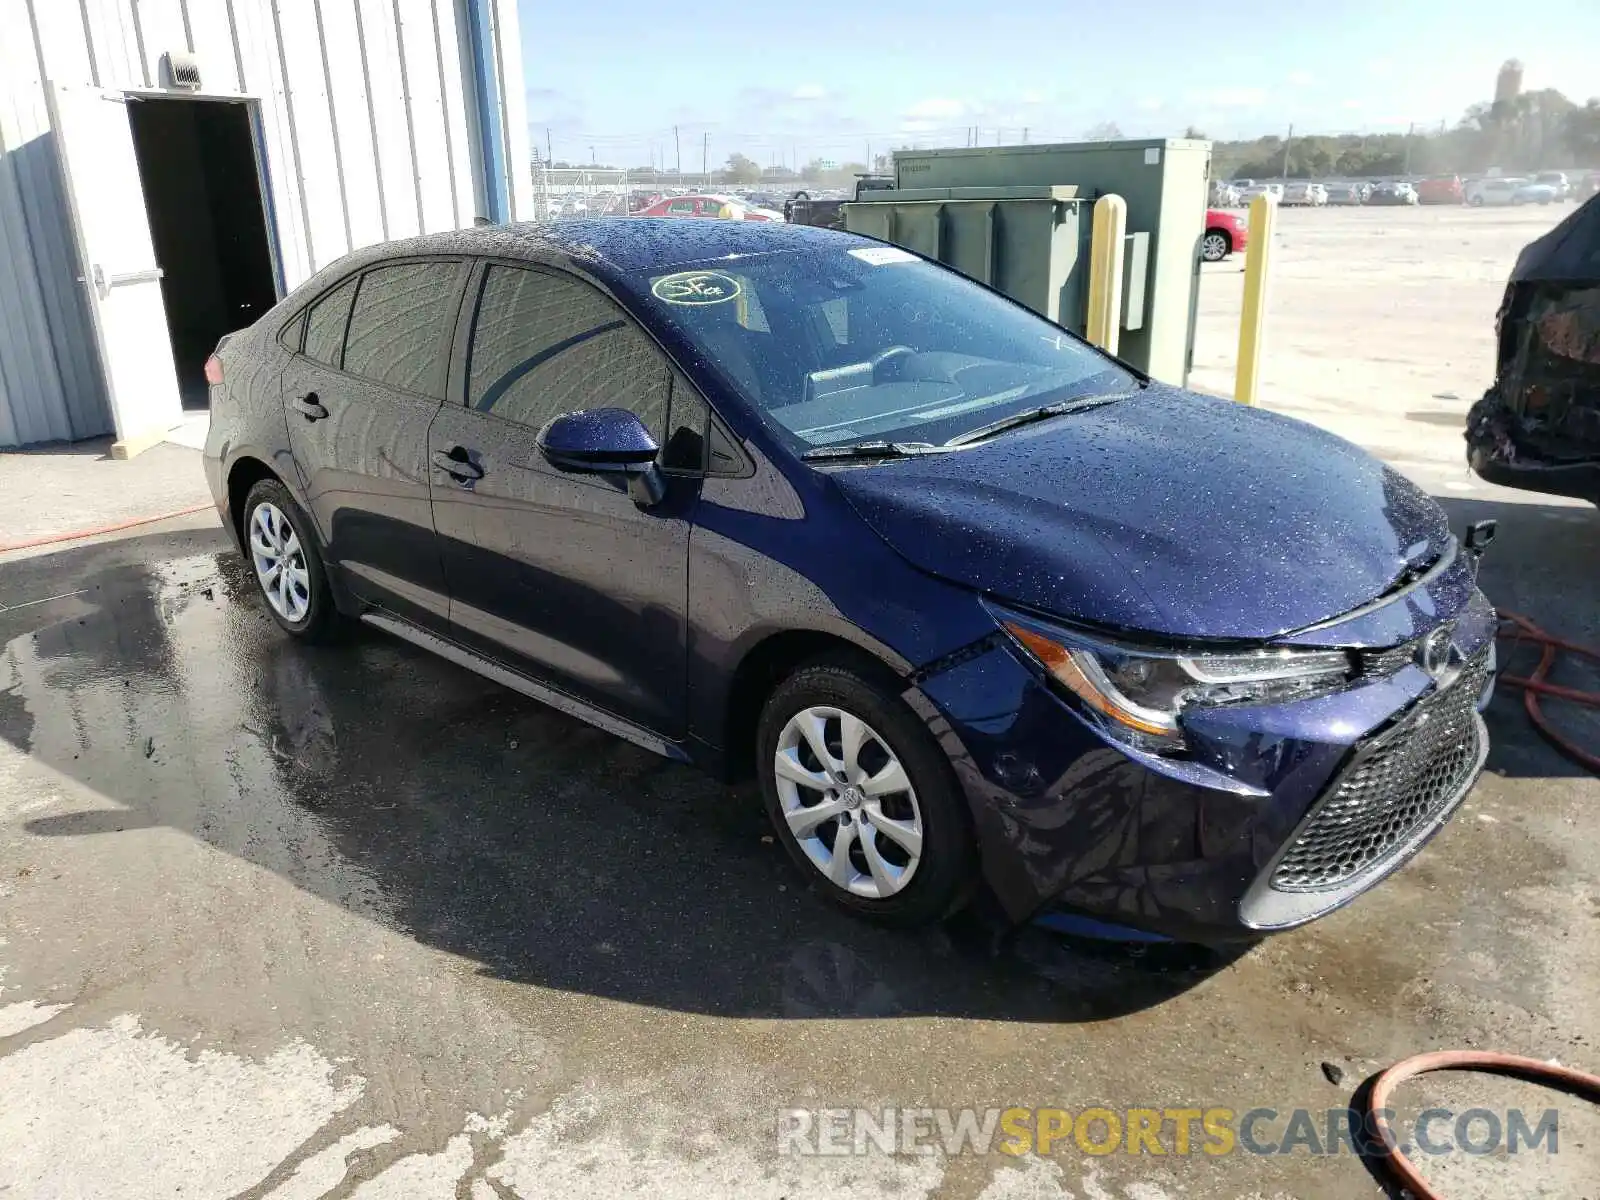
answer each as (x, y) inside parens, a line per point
(539, 851)
(534, 846)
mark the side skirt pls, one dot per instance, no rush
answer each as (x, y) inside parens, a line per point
(517, 682)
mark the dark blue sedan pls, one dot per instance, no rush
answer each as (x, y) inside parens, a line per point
(978, 605)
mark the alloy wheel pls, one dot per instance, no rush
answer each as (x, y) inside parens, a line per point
(848, 801)
(1214, 247)
(280, 563)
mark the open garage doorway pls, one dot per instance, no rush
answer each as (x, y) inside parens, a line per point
(203, 197)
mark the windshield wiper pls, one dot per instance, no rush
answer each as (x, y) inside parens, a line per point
(1030, 415)
(875, 449)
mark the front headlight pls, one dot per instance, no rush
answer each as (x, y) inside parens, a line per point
(1140, 692)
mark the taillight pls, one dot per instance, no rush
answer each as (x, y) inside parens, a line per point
(213, 369)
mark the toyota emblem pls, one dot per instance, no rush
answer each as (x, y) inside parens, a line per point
(1434, 657)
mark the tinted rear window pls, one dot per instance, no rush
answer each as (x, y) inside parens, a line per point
(325, 324)
(401, 325)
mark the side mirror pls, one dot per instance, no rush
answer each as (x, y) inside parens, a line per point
(606, 441)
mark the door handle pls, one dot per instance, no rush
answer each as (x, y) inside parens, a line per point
(103, 283)
(309, 407)
(455, 463)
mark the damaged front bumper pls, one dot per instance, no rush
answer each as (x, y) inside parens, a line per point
(1274, 815)
(1538, 427)
(1496, 454)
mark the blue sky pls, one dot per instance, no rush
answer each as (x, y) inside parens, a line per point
(780, 79)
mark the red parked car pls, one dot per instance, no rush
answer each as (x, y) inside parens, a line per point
(1225, 233)
(726, 207)
(1441, 189)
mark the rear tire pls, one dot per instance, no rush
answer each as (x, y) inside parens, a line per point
(281, 546)
(1216, 245)
(877, 823)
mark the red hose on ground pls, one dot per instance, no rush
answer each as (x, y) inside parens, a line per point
(1519, 630)
(51, 539)
(1578, 1083)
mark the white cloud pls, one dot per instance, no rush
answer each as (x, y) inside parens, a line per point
(809, 91)
(1301, 78)
(1034, 97)
(1150, 104)
(1351, 104)
(936, 107)
(1380, 68)
(1230, 97)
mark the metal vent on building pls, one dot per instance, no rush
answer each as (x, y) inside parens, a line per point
(182, 69)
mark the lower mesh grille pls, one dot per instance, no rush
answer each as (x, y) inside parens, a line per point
(1395, 786)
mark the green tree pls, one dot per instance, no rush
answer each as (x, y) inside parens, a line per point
(1105, 131)
(1581, 133)
(741, 169)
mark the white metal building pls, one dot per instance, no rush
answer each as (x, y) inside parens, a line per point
(170, 168)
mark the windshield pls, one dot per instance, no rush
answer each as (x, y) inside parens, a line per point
(870, 343)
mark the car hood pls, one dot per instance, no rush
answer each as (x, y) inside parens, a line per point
(1167, 512)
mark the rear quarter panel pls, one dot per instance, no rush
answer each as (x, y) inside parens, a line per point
(247, 417)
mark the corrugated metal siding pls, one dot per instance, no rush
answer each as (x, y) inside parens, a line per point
(49, 390)
(367, 131)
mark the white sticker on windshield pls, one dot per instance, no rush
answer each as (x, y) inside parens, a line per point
(881, 256)
(696, 287)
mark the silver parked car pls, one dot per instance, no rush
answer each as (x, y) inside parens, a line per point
(1556, 181)
(1305, 195)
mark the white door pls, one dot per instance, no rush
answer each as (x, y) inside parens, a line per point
(121, 278)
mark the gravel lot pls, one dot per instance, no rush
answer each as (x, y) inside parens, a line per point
(288, 922)
(1380, 326)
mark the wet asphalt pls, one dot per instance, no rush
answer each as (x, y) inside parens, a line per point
(303, 921)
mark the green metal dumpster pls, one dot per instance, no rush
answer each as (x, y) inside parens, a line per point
(1032, 243)
(1164, 182)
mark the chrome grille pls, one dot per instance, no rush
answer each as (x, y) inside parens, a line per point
(1395, 787)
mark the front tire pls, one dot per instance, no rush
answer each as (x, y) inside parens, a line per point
(862, 797)
(282, 549)
(1215, 246)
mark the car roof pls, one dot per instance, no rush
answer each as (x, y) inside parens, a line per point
(607, 246)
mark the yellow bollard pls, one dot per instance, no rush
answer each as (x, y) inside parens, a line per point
(1105, 272)
(1258, 262)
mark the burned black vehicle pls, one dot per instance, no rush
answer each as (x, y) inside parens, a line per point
(1538, 426)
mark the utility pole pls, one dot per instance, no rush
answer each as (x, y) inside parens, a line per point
(593, 161)
(1287, 142)
(1024, 135)
(549, 154)
(1410, 129)
(677, 150)
(705, 157)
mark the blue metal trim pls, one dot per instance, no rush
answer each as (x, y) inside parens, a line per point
(1087, 927)
(269, 208)
(486, 94)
